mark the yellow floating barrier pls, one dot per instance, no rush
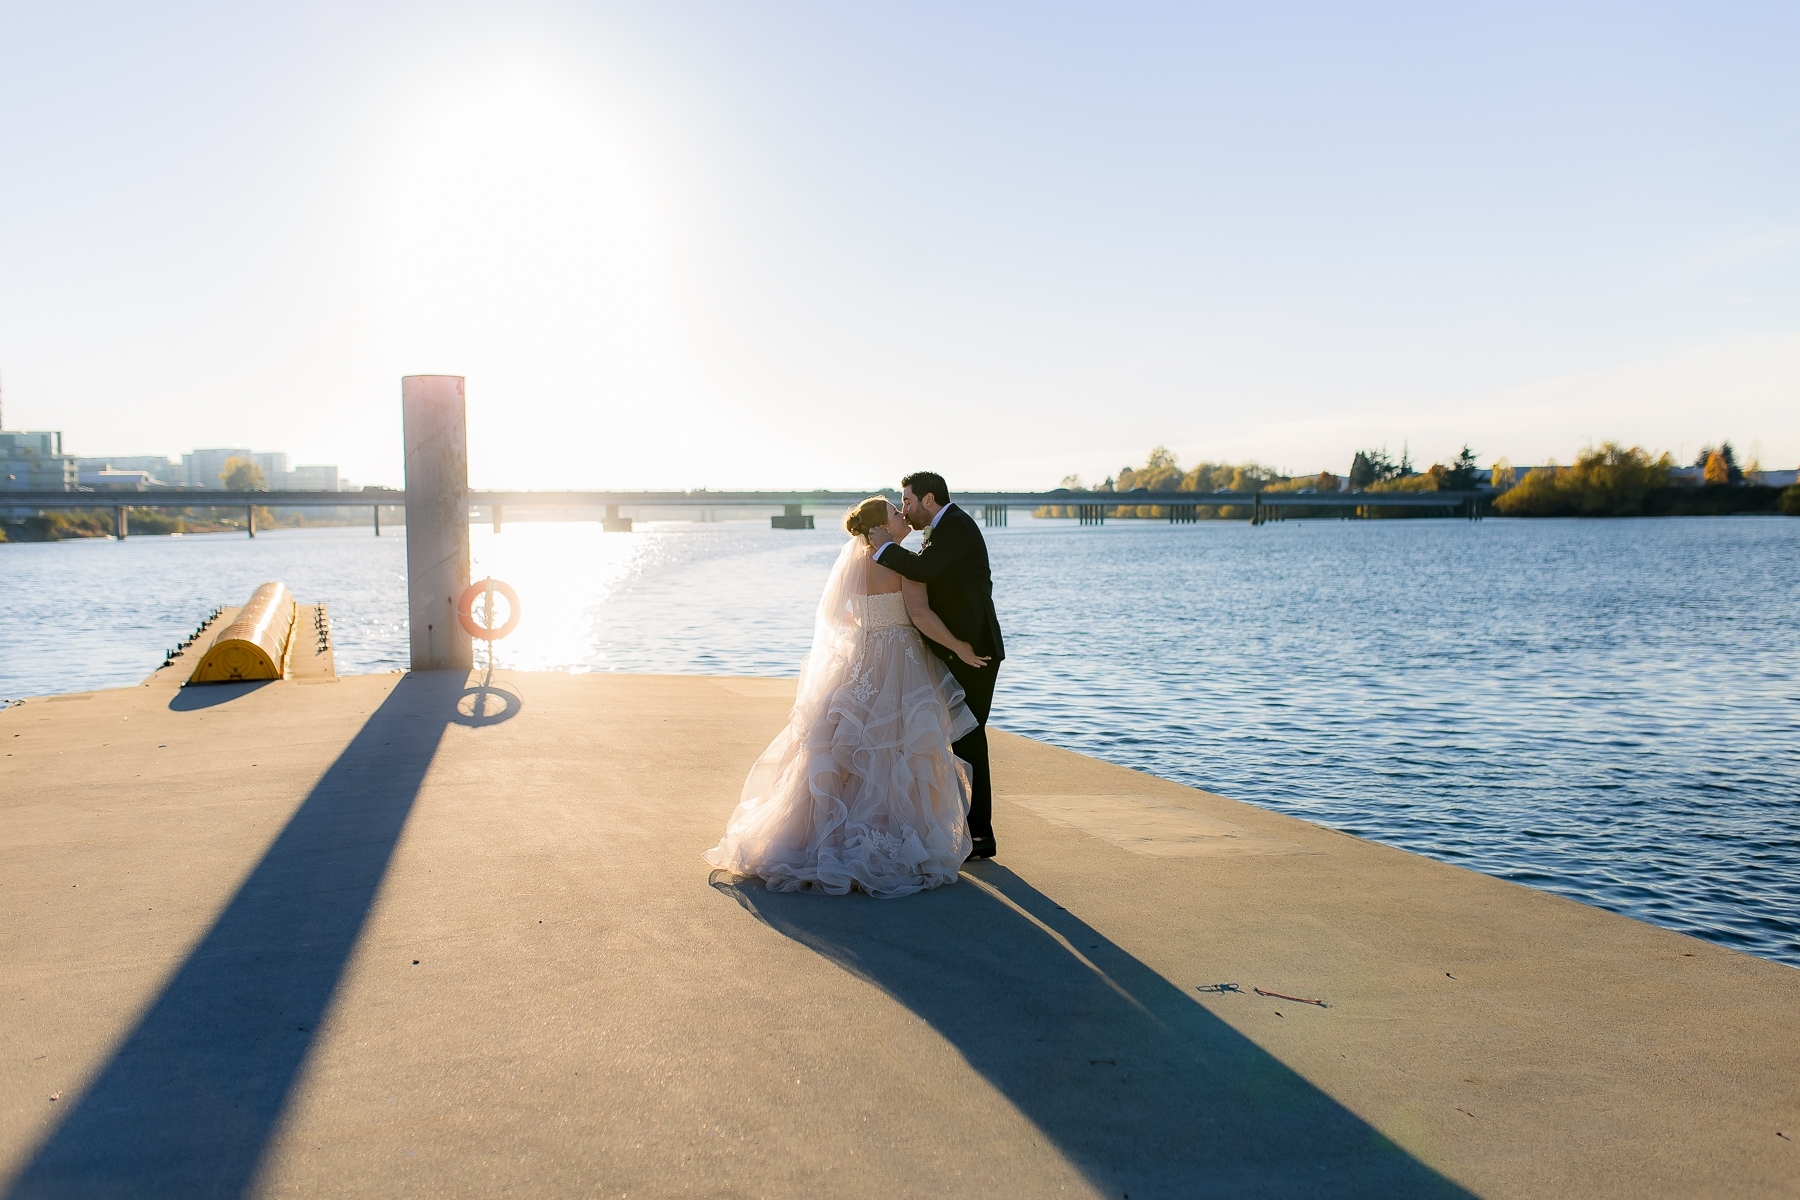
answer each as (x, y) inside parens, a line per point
(254, 646)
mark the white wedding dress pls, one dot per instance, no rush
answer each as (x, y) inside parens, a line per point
(860, 790)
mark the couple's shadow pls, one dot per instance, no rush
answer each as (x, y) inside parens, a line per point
(1134, 1082)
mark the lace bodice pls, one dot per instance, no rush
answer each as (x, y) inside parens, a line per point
(886, 610)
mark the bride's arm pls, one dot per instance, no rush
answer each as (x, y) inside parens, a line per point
(933, 627)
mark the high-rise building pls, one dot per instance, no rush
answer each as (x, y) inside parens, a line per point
(274, 468)
(33, 461)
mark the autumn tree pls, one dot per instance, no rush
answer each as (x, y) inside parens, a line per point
(1720, 464)
(243, 475)
(1718, 470)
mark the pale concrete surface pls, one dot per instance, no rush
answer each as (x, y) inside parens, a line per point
(399, 936)
(311, 658)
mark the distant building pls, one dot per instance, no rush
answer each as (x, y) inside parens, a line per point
(274, 468)
(206, 468)
(315, 478)
(202, 468)
(33, 461)
(105, 479)
(1780, 479)
(162, 472)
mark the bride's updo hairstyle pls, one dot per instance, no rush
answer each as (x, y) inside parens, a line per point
(866, 515)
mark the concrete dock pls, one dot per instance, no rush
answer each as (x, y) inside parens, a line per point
(413, 935)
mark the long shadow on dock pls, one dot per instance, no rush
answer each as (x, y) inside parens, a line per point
(1138, 1085)
(187, 1104)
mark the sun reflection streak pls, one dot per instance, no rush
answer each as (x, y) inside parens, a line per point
(564, 574)
(677, 597)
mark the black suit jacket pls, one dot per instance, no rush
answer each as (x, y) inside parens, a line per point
(953, 566)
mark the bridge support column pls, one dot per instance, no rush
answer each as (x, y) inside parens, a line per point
(613, 522)
(434, 418)
(497, 518)
(250, 520)
(791, 518)
(121, 522)
(378, 520)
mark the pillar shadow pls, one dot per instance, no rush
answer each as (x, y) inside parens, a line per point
(1137, 1084)
(187, 1104)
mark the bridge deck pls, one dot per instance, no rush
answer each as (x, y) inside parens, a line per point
(395, 934)
(525, 501)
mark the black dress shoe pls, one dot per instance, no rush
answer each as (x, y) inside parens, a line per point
(984, 848)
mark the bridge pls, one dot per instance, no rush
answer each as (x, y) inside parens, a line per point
(1089, 508)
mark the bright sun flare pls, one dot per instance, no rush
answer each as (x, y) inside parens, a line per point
(523, 253)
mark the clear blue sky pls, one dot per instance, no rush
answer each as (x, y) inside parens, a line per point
(787, 244)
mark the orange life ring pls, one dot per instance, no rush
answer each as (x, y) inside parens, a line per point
(465, 610)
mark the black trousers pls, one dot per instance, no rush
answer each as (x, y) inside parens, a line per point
(978, 687)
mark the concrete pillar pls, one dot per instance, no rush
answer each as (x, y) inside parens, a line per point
(378, 520)
(121, 523)
(250, 519)
(791, 518)
(435, 423)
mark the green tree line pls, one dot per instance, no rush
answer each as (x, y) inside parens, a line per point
(1608, 480)
(1612, 480)
(1162, 474)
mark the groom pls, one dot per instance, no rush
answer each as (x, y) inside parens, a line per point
(953, 566)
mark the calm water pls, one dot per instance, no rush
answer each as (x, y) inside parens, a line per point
(1603, 709)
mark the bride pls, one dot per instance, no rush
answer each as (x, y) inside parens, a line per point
(861, 789)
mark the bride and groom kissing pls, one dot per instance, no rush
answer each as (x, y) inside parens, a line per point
(880, 781)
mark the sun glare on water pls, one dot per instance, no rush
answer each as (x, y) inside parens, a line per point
(564, 574)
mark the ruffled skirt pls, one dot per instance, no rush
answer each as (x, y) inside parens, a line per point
(862, 790)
